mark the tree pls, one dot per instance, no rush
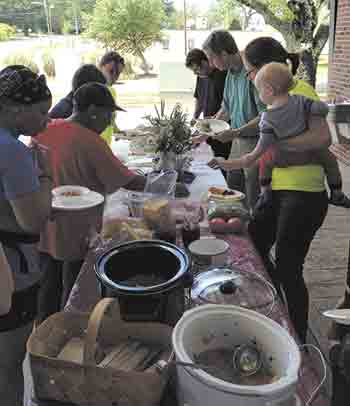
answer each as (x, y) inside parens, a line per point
(130, 26)
(171, 13)
(304, 25)
(69, 16)
(231, 14)
(168, 6)
(23, 14)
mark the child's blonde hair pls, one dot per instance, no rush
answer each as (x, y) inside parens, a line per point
(277, 76)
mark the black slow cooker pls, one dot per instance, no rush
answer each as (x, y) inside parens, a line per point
(148, 277)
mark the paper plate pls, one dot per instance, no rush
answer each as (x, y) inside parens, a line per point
(82, 202)
(140, 162)
(236, 197)
(70, 189)
(216, 126)
(341, 316)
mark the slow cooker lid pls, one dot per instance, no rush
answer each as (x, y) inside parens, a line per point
(230, 286)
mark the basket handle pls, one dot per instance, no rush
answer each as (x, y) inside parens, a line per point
(101, 309)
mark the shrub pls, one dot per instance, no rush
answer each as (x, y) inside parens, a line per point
(48, 64)
(128, 72)
(20, 58)
(6, 32)
(92, 57)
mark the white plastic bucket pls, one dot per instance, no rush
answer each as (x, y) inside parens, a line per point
(214, 326)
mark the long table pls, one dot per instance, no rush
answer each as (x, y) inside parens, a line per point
(243, 255)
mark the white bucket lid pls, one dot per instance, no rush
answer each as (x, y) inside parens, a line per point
(262, 323)
(208, 246)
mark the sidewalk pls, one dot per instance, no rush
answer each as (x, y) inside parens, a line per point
(326, 264)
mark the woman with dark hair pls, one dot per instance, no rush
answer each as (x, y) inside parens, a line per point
(85, 74)
(264, 50)
(298, 203)
(25, 205)
(79, 157)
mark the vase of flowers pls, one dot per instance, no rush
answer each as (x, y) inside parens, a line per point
(173, 142)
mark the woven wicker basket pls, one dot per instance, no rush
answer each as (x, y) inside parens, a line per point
(86, 383)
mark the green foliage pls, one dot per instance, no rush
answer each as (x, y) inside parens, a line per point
(131, 26)
(93, 56)
(169, 8)
(128, 72)
(67, 27)
(235, 25)
(280, 9)
(21, 58)
(23, 14)
(174, 131)
(49, 64)
(65, 14)
(6, 32)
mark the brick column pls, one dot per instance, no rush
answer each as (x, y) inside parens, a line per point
(339, 72)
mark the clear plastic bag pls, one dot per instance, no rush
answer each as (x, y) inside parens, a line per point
(161, 183)
(227, 210)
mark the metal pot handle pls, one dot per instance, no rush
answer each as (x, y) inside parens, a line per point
(188, 280)
(323, 380)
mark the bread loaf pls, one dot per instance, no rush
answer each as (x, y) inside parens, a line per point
(156, 211)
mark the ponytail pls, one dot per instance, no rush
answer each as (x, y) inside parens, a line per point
(295, 61)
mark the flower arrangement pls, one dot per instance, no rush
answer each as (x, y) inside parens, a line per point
(174, 134)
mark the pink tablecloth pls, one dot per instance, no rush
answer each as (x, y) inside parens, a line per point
(244, 256)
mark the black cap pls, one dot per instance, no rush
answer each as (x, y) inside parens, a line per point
(97, 94)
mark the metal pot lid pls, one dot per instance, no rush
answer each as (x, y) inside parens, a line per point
(230, 286)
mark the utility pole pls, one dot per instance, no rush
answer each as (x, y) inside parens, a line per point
(47, 15)
(76, 20)
(185, 26)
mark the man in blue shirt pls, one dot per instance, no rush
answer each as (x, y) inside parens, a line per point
(25, 205)
(241, 106)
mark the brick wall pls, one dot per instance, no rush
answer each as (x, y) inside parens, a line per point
(339, 73)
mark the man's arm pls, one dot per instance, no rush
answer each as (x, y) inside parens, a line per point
(197, 109)
(32, 210)
(222, 114)
(247, 130)
(138, 183)
(317, 136)
(245, 161)
(29, 195)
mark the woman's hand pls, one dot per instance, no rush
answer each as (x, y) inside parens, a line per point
(317, 136)
(199, 139)
(222, 163)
